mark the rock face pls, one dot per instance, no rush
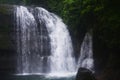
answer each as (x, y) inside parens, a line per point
(84, 74)
(106, 58)
(7, 54)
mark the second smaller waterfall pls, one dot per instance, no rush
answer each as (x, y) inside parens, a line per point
(86, 53)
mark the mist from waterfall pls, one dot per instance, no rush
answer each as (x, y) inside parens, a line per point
(86, 53)
(43, 42)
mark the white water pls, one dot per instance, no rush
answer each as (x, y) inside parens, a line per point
(86, 53)
(26, 32)
(39, 31)
(61, 59)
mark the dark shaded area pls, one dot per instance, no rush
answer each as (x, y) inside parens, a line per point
(7, 53)
(106, 41)
(84, 74)
(7, 62)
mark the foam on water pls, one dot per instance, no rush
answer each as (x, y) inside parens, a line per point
(50, 75)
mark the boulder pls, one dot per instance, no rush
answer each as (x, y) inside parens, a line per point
(84, 74)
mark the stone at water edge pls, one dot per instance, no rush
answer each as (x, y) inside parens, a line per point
(84, 74)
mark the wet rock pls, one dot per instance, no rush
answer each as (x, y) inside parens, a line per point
(85, 74)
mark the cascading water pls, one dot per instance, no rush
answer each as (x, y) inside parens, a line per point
(43, 42)
(86, 53)
(61, 46)
(32, 56)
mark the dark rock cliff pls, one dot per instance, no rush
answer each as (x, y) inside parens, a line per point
(7, 54)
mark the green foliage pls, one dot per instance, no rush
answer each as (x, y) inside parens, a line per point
(69, 1)
(100, 15)
(9, 1)
(108, 25)
(24, 1)
(55, 6)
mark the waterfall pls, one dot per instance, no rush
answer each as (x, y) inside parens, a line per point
(86, 53)
(32, 56)
(43, 42)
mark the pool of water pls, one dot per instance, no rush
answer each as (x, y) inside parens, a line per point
(36, 77)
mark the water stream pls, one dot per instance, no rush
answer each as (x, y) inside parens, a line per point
(86, 53)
